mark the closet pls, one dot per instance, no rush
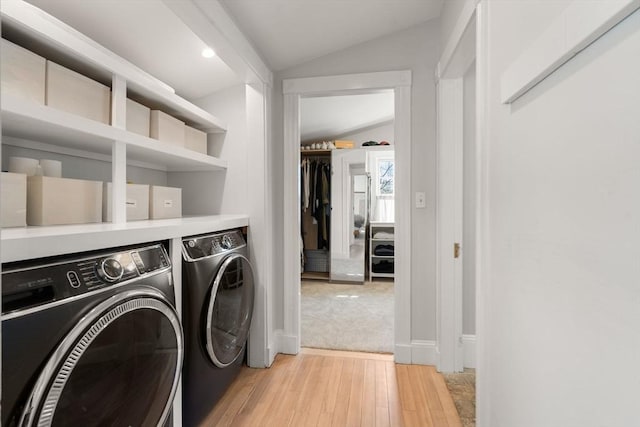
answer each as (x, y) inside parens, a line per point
(315, 213)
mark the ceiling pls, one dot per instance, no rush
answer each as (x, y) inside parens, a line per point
(148, 34)
(291, 32)
(331, 117)
(285, 33)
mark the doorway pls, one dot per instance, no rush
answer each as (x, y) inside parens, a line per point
(344, 141)
(294, 90)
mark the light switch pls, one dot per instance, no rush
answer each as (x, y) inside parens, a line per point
(421, 200)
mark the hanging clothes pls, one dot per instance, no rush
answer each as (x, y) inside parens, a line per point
(305, 184)
(322, 202)
(315, 192)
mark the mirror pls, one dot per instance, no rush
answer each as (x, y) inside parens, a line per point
(349, 214)
(361, 191)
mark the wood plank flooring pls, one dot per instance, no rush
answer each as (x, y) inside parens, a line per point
(336, 388)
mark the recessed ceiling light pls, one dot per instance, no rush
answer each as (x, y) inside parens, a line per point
(208, 52)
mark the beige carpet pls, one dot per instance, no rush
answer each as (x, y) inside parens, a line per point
(462, 387)
(347, 317)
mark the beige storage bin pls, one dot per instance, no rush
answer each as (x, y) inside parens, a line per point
(195, 140)
(53, 201)
(138, 118)
(13, 199)
(22, 72)
(166, 128)
(137, 202)
(165, 202)
(77, 94)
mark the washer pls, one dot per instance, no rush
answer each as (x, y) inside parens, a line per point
(218, 293)
(90, 339)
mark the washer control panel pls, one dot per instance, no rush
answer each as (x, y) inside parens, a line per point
(197, 247)
(43, 282)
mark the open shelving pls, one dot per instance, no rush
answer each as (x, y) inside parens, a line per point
(374, 228)
(33, 122)
(39, 127)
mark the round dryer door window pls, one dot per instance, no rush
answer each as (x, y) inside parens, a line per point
(229, 310)
(118, 367)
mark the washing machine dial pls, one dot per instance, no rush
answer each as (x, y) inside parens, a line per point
(226, 242)
(110, 270)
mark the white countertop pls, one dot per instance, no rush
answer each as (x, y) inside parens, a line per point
(37, 242)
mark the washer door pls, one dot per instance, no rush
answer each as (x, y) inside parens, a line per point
(229, 311)
(119, 366)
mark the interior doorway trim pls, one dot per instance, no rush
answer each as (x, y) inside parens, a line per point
(293, 90)
(459, 54)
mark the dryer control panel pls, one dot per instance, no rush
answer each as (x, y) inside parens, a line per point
(198, 247)
(27, 285)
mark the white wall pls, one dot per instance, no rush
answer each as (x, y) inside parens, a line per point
(469, 204)
(415, 49)
(383, 132)
(562, 312)
(225, 191)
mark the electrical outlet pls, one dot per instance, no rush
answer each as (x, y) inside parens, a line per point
(421, 201)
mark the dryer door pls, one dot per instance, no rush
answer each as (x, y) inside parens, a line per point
(119, 366)
(229, 310)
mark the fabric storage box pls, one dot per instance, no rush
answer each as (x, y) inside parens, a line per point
(166, 128)
(195, 139)
(22, 72)
(316, 260)
(137, 202)
(138, 118)
(165, 202)
(58, 201)
(77, 94)
(13, 199)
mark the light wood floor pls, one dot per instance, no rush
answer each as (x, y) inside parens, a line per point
(326, 388)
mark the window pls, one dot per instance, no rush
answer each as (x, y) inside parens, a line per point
(386, 182)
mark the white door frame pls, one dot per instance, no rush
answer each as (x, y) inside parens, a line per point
(293, 90)
(458, 53)
(449, 225)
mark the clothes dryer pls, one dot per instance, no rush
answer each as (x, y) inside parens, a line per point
(90, 340)
(218, 294)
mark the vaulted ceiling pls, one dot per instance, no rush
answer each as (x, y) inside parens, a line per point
(290, 32)
(284, 33)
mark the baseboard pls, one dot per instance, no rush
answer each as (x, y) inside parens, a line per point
(287, 344)
(271, 353)
(423, 352)
(402, 354)
(419, 352)
(469, 351)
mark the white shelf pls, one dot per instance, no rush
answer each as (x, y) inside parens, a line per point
(388, 275)
(28, 120)
(374, 227)
(39, 127)
(55, 40)
(36, 242)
